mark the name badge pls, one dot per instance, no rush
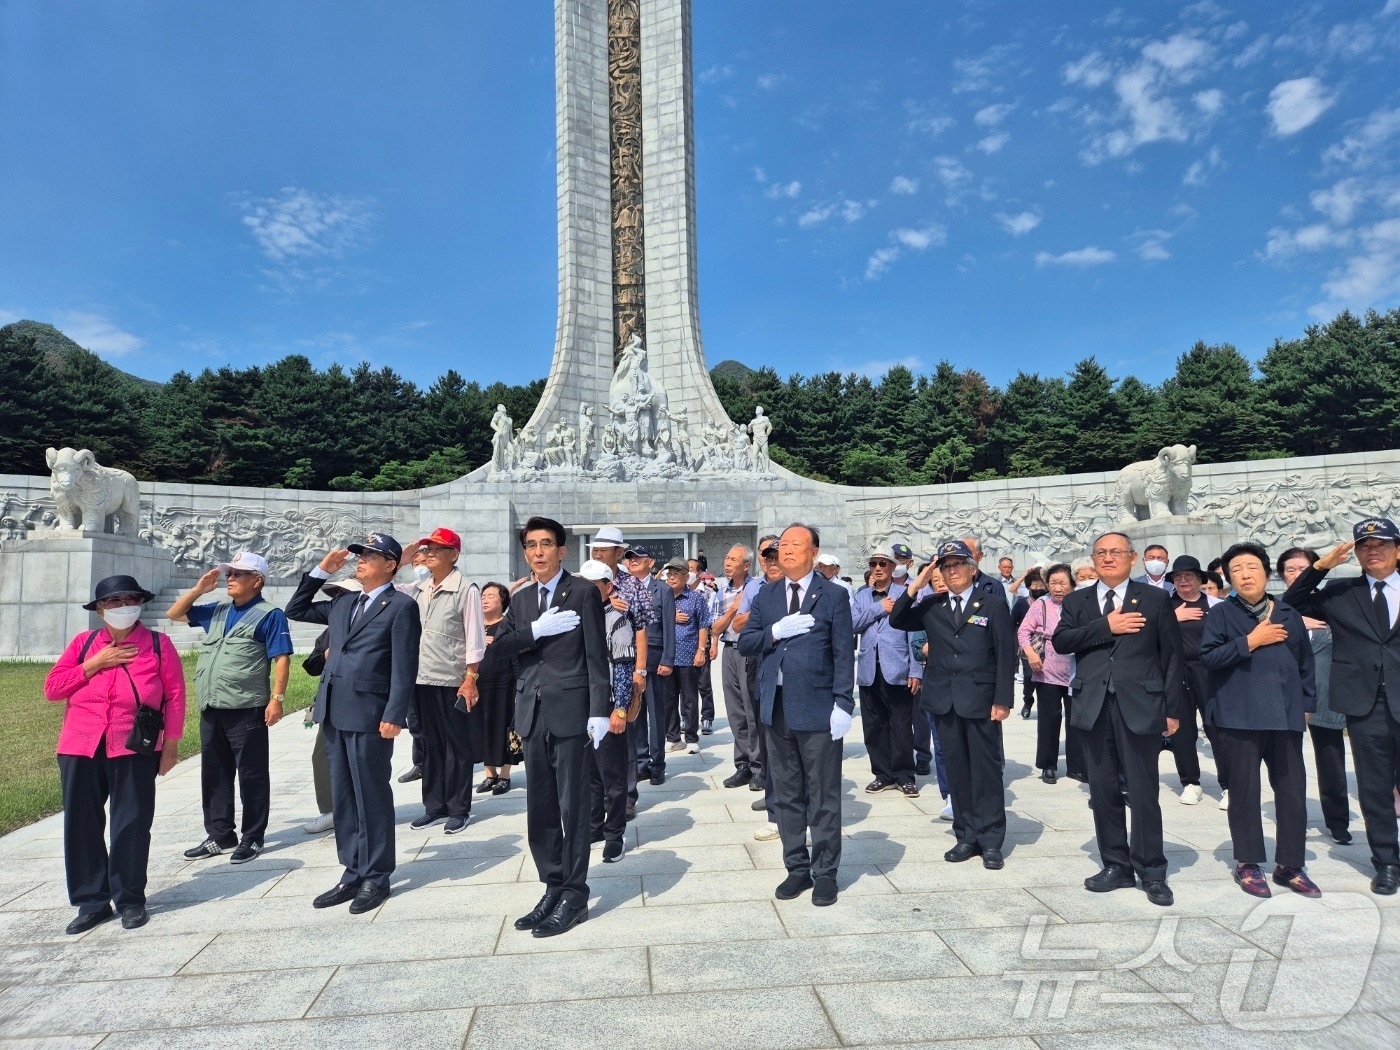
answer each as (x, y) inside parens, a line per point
(978, 621)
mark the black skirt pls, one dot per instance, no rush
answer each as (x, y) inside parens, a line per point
(494, 714)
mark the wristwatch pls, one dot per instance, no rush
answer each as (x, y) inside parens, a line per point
(473, 675)
(279, 697)
(641, 671)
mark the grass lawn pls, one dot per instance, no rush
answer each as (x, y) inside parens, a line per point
(29, 727)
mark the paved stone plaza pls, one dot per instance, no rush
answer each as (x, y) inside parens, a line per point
(686, 946)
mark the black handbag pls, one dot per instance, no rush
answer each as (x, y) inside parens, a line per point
(150, 721)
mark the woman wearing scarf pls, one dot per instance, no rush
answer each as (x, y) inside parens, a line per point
(1260, 691)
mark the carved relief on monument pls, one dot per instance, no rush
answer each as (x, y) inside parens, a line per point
(625, 146)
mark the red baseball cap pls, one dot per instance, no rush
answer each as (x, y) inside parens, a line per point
(443, 538)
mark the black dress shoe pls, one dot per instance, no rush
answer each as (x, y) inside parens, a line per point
(211, 847)
(540, 912)
(1047, 776)
(824, 891)
(86, 921)
(134, 917)
(613, 851)
(1341, 836)
(756, 784)
(1026, 711)
(562, 919)
(416, 773)
(371, 896)
(657, 779)
(1083, 778)
(877, 785)
(1387, 880)
(1158, 892)
(631, 810)
(961, 852)
(758, 805)
(738, 779)
(992, 861)
(1113, 877)
(794, 884)
(922, 769)
(345, 891)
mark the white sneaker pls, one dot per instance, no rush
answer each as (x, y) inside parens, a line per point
(692, 748)
(1224, 800)
(324, 822)
(675, 745)
(947, 812)
(767, 833)
(1191, 794)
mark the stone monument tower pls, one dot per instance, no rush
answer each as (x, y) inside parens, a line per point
(628, 394)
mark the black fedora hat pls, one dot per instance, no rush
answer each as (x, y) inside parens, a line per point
(115, 585)
(1186, 563)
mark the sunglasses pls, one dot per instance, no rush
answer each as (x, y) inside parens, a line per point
(877, 563)
(241, 574)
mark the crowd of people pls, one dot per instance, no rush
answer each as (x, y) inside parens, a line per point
(592, 679)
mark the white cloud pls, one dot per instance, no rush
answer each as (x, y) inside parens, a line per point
(783, 189)
(1340, 201)
(1284, 244)
(97, 333)
(920, 239)
(297, 224)
(981, 72)
(1210, 102)
(1152, 245)
(1253, 53)
(1371, 278)
(1199, 171)
(1296, 104)
(816, 215)
(1018, 225)
(760, 176)
(993, 143)
(852, 211)
(925, 119)
(953, 175)
(1360, 147)
(715, 74)
(1080, 257)
(991, 116)
(1180, 54)
(1392, 7)
(905, 187)
(1350, 40)
(880, 260)
(1091, 71)
(769, 81)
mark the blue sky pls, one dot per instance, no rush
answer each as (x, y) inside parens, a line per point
(1008, 185)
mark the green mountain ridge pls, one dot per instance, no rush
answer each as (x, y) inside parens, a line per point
(60, 349)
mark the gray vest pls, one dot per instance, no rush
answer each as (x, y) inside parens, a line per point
(442, 652)
(233, 665)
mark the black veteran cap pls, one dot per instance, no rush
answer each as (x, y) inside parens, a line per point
(1375, 529)
(380, 543)
(954, 549)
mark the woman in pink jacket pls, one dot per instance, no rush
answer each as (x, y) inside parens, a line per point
(101, 677)
(1051, 673)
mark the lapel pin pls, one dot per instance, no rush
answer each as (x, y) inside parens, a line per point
(1133, 602)
(977, 605)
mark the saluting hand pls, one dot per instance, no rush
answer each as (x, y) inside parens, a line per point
(1336, 556)
(335, 560)
(207, 582)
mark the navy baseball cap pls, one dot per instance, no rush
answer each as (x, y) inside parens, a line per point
(901, 550)
(380, 543)
(636, 552)
(954, 549)
(1375, 529)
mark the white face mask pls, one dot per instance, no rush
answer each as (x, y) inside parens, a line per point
(690, 580)
(1155, 567)
(122, 617)
(422, 573)
(1083, 583)
(900, 571)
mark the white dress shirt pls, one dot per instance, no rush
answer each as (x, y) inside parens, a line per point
(803, 586)
(1391, 592)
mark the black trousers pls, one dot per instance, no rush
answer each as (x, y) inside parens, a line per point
(1330, 754)
(1112, 750)
(1281, 752)
(1375, 750)
(415, 732)
(657, 713)
(558, 810)
(128, 784)
(972, 753)
(686, 689)
(887, 721)
(1028, 684)
(1188, 762)
(362, 801)
(1053, 699)
(447, 751)
(707, 692)
(234, 742)
(922, 730)
(608, 789)
(806, 794)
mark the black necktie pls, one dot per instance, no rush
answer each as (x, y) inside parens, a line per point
(359, 607)
(957, 609)
(880, 595)
(544, 598)
(1382, 607)
(1108, 603)
(794, 603)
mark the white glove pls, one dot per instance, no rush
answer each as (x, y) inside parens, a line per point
(597, 729)
(554, 621)
(840, 723)
(792, 625)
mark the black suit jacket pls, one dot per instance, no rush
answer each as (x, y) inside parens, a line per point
(970, 664)
(1365, 654)
(1145, 669)
(564, 680)
(371, 665)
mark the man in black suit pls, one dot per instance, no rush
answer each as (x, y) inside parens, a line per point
(1128, 690)
(362, 705)
(968, 685)
(563, 697)
(799, 628)
(1365, 678)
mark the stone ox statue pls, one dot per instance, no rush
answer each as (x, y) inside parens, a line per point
(88, 494)
(1156, 488)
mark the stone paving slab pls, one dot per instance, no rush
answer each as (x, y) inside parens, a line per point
(685, 945)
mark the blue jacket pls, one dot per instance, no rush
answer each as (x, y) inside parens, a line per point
(818, 667)
(882, 642)
(1269, 688)
(663, 600)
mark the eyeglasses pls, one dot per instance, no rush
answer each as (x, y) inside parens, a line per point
(880, 563)
(119, 600)
(433, 552)
(954, 563)
(1112, 552)
(540, 545)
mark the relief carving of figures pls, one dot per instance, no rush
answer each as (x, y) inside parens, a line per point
(625, 150)
(19, 516)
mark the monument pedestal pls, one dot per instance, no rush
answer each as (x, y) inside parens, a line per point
(1203, 536)
(45, 581)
